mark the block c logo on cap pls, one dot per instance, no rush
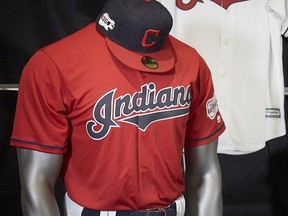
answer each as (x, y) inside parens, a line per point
(146, 35)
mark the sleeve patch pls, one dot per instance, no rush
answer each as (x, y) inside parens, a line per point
(212, 107)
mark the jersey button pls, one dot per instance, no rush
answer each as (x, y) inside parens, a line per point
(145, 135)
(226, 42)
(146, 172)
(143, 75)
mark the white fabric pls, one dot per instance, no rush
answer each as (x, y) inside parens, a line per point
(108, 213)
(242, 45)
(73, 209)
(180, 206)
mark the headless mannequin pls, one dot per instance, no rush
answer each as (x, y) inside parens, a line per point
(39, 172)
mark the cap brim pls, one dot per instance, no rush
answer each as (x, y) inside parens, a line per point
(157, 62)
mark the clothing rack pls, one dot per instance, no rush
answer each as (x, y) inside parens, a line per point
(9, 87)
(14, 87)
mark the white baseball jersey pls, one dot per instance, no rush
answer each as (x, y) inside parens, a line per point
(241, 43)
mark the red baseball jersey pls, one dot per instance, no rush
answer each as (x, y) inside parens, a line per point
(122, 131)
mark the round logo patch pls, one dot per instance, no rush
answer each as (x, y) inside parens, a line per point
(212, 107)
(149, 62)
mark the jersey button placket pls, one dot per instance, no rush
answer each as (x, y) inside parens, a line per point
(226, 46)
(145, 168)
(145, 137)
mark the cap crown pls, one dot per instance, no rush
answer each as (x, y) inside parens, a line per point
(137, 25)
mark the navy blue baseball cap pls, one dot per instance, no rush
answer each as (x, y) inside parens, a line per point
(136, 32)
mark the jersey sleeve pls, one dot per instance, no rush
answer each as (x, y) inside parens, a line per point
(205, 122)
(40, 119)
(278, 9)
